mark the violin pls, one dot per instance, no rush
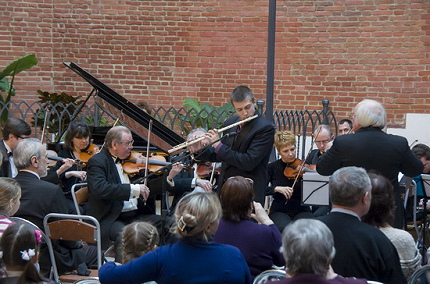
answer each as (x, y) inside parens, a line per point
(133, 164)
(294, 170)
(86, 154)
(204, 169)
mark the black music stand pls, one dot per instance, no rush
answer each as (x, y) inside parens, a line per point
(315, 189)
(425, 182)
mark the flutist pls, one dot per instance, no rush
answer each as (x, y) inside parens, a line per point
(246, 150)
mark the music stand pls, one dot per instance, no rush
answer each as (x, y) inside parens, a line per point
(425, 182)
(315, 189)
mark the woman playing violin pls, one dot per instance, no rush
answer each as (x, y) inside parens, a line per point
(286, 205)
(76, 141)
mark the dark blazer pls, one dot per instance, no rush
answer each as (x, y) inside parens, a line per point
(38, 198)
(373, 149)
(106, 192)
(182, 181)
(246, 154)
(362, 251)
(5, 170)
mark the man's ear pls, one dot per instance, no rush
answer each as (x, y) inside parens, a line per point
(367, 198)
(34, 161)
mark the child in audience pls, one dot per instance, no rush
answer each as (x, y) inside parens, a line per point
(138, 238)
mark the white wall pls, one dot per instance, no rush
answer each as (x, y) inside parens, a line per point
(417, 128)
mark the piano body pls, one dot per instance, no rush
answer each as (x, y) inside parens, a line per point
(128, 114)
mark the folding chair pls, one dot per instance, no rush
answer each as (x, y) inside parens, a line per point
(269, 275)
(72, 227)
(80, 195)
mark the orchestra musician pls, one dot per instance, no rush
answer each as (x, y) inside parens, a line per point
(247, 152)
(187, 180)
(373, 149)
(113, 199)
(323, 138)
(344, 127)
(77, 139)
(286, 205)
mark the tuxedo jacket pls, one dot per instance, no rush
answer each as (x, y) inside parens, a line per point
(245, 154)
(373, 149)
(362, 251)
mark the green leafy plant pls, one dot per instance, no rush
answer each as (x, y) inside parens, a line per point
(58, 118)
(205, 115)
(7, 91)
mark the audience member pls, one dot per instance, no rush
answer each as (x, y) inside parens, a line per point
(381, 215)
(247, 153)
(14, 130)
(373, 149)
(344, 127)
(195, 258)
(138, 238)
(308, 249)
(286, 205)
(10, 193)
(20, 245)
(362, 250)
(38, 198)
(238, 208)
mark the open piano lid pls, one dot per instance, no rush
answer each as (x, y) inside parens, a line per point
(129, 114)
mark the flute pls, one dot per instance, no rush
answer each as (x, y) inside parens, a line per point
(191, 142)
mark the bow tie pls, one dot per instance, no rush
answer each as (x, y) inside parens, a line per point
(119, 161)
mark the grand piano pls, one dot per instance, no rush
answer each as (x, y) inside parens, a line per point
(128, 114)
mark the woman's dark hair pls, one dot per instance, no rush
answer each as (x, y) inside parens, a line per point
(381, 210)
(77, 129)
(236, 197)
(19, 244)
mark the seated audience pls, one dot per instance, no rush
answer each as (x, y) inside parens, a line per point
(308, 249)
(381, 215)
(10, 193)
(195, 258)
(362, 250)
(138, 238)
(20, 244)
(238, 207)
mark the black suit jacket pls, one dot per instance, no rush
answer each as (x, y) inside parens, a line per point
(38, 198)
(362, 251)
(5, 170)
(106, 192)
(373, 149)
(246, 154)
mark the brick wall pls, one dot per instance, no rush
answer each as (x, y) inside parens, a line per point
(164, 51)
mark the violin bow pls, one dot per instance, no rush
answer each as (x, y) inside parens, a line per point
(147, 155)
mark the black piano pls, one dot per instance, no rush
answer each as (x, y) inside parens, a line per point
(128, 114)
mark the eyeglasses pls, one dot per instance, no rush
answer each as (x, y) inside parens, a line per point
(128, 144)
(322, 141)
(20, 137)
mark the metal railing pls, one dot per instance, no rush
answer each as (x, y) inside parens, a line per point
(57, 117)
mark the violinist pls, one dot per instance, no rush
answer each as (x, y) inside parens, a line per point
(286, 205)
(77, 140)
(187, 180)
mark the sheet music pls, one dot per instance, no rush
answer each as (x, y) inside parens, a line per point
(315, 189)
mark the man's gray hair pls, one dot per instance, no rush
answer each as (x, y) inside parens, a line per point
(24, 150)
(348, 185)
(370, 113)
(115, 135)
(308, 247)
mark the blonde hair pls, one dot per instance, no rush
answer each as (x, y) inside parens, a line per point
(284, 138)
(9, 190)
(195, 212)
(138, 238)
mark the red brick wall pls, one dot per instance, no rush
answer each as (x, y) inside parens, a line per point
(164, 51)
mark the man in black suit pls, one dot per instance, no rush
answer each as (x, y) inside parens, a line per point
(14, 130)
(246, 153)
(38, 198)
(362, 251)
(373, 149)
(113, 199)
